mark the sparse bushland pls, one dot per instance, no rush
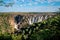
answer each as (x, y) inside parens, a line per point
(46, 30)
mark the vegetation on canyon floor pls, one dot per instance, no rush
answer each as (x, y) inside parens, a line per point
(46, 30)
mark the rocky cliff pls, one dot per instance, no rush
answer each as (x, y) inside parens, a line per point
(17, 21)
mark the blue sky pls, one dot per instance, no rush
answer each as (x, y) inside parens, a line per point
(31, 6)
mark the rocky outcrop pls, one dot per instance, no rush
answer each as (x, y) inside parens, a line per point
(19, 21)
(16, 21)
(22, 20)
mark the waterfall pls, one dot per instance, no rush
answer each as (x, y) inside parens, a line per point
(46, 17)
(36, 19)
(29, 20)
(39, 18)
(16, 27)
(33, 20)
(50, 16)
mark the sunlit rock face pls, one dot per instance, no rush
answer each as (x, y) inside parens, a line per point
(12, 23)
(19, 21)
(22, 21)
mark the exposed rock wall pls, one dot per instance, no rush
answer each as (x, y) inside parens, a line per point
(17, 21)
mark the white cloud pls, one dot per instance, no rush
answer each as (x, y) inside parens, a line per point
(49, 1)
(35, 3)
(30, 4)
(57, 0)
(30, 9)
(21, 5)
(15, 0)
(41, 1)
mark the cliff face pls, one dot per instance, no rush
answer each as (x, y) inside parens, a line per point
(22, 20)
(17, 21)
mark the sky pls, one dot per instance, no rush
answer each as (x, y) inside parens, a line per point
(31, 6)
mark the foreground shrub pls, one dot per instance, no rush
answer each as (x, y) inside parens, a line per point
(43, 34)
(5, 37)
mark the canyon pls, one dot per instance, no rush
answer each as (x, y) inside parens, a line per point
(21, 20)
